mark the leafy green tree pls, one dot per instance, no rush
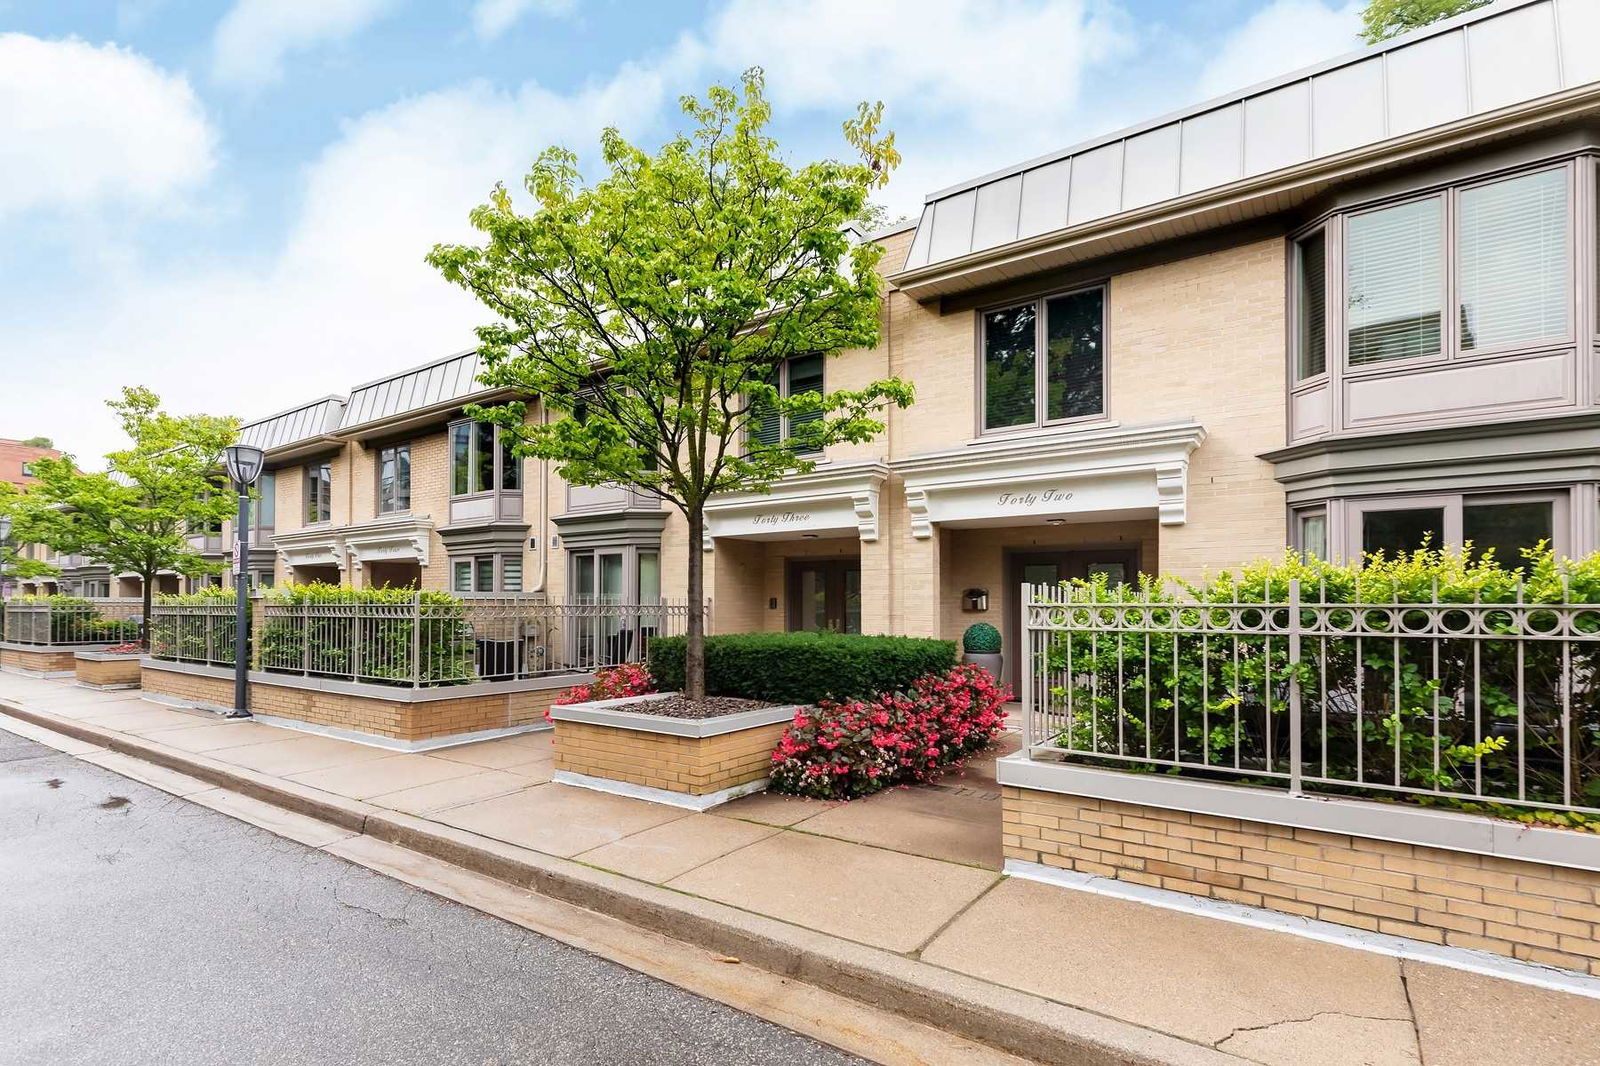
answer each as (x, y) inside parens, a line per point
(38, 442)
(655, 308)
(136, 515)
(13, 565)
(1384, 19)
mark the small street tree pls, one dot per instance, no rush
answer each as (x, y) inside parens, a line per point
(655, 308)
(136, 515)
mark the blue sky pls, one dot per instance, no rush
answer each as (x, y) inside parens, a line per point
(229, 201)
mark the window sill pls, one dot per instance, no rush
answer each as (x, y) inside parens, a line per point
(1062, 429)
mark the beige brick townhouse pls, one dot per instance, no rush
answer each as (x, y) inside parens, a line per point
(1342, 310)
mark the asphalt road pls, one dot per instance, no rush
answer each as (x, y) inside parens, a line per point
(136, 928)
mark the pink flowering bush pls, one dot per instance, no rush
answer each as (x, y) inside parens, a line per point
(613, 683)
(843, 750)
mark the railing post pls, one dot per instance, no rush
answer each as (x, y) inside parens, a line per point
(355, 641)
(416, 639)
(1295, 725)
(1028, 666)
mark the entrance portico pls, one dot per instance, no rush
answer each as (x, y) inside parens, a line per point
(808, 555)
(983, 518)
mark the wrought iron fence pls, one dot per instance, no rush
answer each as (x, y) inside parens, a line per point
(63, 620)
(194, 632)
(1462, 702)
(440, 641)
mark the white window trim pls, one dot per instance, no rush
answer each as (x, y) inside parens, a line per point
(378, 480)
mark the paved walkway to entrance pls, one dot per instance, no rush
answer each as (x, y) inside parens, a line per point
(912, 871)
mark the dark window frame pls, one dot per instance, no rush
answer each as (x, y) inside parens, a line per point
(394, 500)
(322, 502)
(504, 470)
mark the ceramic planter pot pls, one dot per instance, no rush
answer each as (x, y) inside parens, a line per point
(994, 662)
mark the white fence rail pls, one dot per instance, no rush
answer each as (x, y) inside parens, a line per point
(1466, 702)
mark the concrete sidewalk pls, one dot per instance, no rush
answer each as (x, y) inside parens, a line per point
(902, 889)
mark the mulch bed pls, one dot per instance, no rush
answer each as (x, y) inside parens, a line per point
(676, 706)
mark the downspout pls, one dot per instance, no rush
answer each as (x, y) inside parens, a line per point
(544, 507)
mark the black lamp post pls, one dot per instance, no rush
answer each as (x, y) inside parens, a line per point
(244, 467)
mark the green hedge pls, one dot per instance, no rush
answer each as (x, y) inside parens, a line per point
(804, 667)
(197, 637)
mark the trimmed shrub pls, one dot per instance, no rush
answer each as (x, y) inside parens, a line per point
(844, 750)
(803, 667)
(309, 628)
(630, 679)
(73, 620)
(981, 638)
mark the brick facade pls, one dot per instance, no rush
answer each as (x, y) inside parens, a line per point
(1530, 911)
(697, 766)
(39, 662)
(108, 672)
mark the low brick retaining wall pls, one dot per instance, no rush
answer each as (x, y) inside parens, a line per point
(44, 660)
(1534, 911)
(411, 718)
(710, 759)
(103, 670)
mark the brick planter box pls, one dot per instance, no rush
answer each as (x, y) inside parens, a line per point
(402, 719)
(695, 763)
(1436, 876)
(39, 660)
(99, 669)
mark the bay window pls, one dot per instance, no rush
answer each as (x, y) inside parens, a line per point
(1477, 268)
(1043, 362)
(481, 459)
(496, 572)
(1504, 524)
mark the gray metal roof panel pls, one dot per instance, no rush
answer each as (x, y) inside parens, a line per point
(1507, 53)
(438, 382)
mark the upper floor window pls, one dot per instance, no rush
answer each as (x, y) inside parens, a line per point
(267, 505)
(319, 493)
(481, 459)
(795, 377)
(1469, 270)
(1044, 361)
(394, 479)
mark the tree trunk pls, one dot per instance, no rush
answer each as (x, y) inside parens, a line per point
(694, 652)
(148, 584)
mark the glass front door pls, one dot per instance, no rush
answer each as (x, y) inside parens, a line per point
(1120, 565)
(825, 595)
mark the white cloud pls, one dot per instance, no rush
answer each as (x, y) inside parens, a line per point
(1283, 36)
(491, 18)
(999, 64)
(253, 38)
(346, 298)
(82, 125)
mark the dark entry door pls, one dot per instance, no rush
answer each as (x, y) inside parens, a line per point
(825, 595)
(1048, 568)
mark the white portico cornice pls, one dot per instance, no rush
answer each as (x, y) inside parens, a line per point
(1114, 469)
(404, 537)
(835, 498)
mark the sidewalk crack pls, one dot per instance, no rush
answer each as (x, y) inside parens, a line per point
(1243, 1029)
(1411, 1008)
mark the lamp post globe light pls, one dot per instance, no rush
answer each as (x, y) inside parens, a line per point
(244, 463)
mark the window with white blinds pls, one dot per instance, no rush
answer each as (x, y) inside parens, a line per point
(1394, 282)
(1513, 261)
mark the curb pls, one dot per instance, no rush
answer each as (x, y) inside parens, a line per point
(1013, 1021)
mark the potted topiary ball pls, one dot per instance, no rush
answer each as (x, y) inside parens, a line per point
(980, 645)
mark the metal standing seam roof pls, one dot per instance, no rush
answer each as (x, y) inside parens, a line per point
(314, 419)
(442, 381)
(1504, 54)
